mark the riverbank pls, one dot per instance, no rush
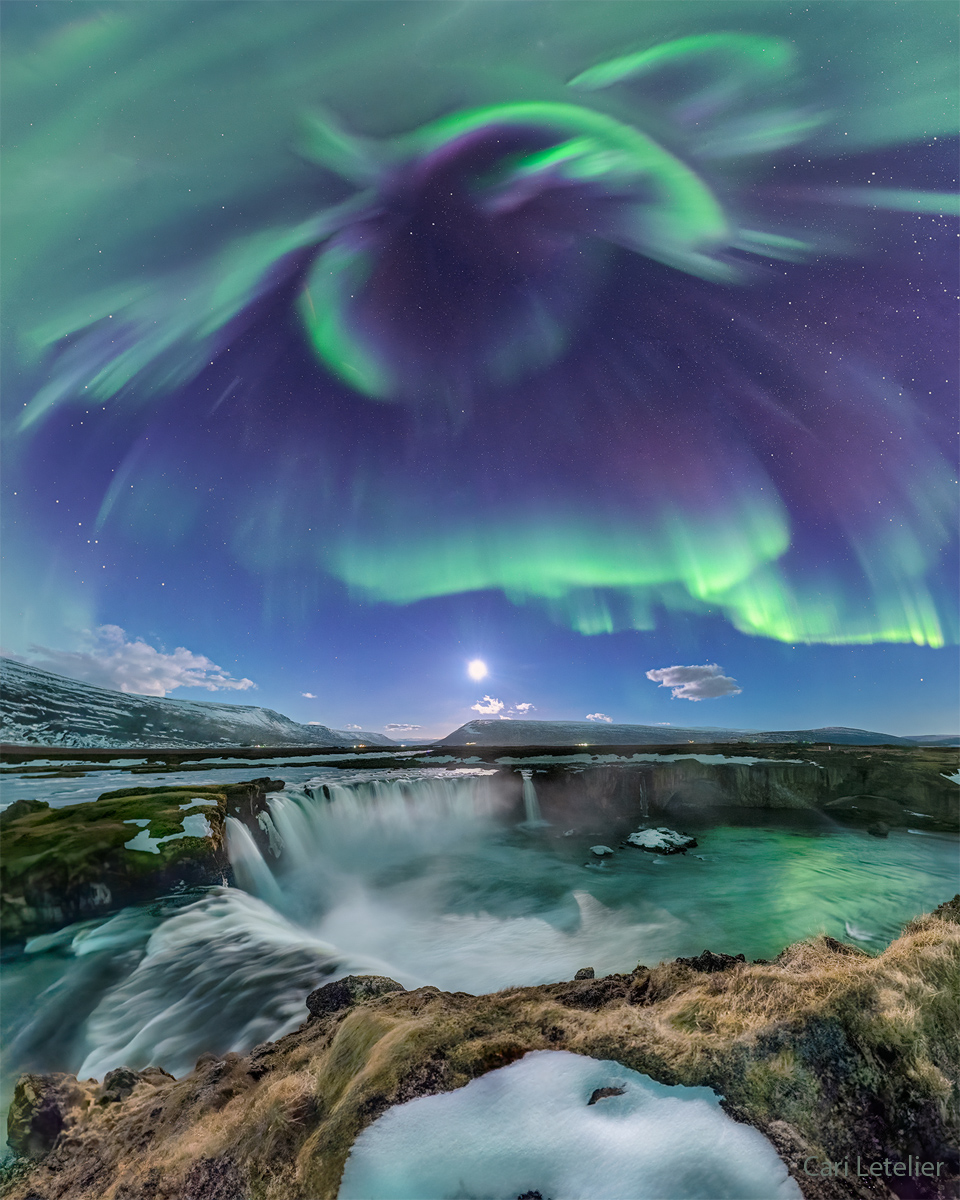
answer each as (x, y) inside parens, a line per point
(833, 1055)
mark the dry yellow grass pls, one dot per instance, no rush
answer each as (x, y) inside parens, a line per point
(829, 1051)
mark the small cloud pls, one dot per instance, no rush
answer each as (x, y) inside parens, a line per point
(111, 661)
(314, 722)
(706, 682)
(520, 710)
(662, 722)
(599, 717)
(488, 706)
(400, 727)
(308, 696)
(353, 726)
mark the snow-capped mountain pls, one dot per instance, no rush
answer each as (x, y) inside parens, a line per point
(595, 733)
(42, 709)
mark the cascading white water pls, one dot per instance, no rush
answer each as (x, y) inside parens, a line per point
(531, 805)
(423, 875)
(417, 876)
(249, 869)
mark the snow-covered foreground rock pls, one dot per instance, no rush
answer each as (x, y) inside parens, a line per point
(662, 840)
(568, 1127)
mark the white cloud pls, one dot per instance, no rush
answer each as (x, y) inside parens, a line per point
(314, 722)
(396, 727)
(488, 706)
(113, 662)
(520, 710)
(352, 727)
(706, 682)
(599, 717)
(308, 696)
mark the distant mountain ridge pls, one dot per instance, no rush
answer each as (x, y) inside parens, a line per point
(42, 709)
(591, 733)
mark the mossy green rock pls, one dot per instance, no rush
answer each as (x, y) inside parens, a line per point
(67, 864)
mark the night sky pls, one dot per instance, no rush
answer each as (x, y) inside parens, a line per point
(346, 344)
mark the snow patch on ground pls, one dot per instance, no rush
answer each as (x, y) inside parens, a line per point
(193, 826)
(538, 1125)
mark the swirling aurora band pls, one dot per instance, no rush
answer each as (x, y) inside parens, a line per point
(475, 280)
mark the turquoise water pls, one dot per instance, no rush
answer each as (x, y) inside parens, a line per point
(430, 877)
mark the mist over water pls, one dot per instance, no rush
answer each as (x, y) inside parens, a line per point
(436, 877)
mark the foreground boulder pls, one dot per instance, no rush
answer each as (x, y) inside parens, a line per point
(62, 865)
(830, 1053)
(352, 989)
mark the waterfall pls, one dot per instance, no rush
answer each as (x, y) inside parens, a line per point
(326, 831)
(251, 872)
(531, 805)
(644, 803)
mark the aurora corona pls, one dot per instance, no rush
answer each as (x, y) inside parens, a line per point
(568, 344)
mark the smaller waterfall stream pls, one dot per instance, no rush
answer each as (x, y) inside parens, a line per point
(533, 818)
(249, 867)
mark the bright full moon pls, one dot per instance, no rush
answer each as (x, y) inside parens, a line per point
(477, 669)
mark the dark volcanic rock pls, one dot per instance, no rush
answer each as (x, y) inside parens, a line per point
(603, 1093)
(352, 989)
(709, 962)
(43, 1107)
(585, 973)
(117, 1085)
(591, 994)
(214, 1179)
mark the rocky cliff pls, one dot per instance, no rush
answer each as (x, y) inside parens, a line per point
(898, 787)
